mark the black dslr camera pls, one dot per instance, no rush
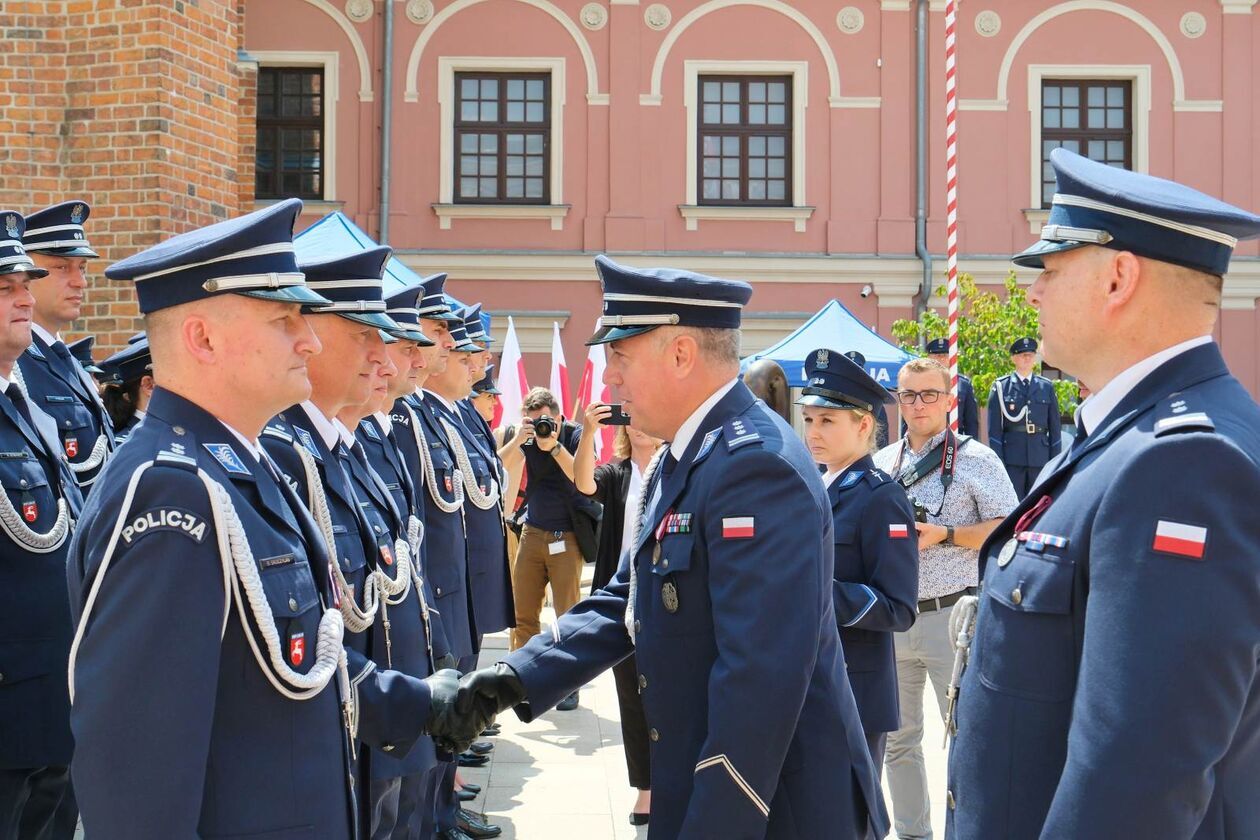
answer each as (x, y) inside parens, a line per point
(920, 511)
(544, 426)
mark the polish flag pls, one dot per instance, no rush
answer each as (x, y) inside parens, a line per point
(512, 381)
(1179, 538)
(738, 528)
(559, 385)
(592, 389)
(898, 532)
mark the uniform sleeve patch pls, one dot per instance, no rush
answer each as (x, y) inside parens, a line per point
(165, 519)
(739, 433)
(1180, 538)
(739, 528)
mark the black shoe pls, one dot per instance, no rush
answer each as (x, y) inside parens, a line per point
(491, 730)
(568, 704)
(638, 819)
(471, 788)
(465, 795)
(452, 834)
(475, 828)
(481, 748)
(473, 760)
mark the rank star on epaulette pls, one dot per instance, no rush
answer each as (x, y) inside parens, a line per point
(227, 457)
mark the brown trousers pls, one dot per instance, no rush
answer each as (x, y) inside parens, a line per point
(534, 568)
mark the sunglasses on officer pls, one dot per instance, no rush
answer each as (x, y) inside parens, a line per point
(929, 396)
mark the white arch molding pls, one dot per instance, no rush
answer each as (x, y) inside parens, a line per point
(1180, 103)
(653, 97)
(360, 53)
(593, 96)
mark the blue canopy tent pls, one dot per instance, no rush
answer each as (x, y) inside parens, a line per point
(336, 234)
(835, 328)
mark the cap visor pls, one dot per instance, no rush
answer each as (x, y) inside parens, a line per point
(604, 335)
(19, 267)
(412, 335)
(76, 251)
(387, 337)
(466, 347)
(372, 319)
(1031, 257)
(287, 294)
(822, 402)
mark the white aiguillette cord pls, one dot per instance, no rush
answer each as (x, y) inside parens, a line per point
(648, 475)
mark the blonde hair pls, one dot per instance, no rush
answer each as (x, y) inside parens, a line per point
(925, 365)
(621, 443)
(871, 445)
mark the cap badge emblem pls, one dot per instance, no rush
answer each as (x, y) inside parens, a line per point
(76, 214)
(11, 226)
(824, 358)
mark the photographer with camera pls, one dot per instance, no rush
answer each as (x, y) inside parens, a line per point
(960, 492)
(549, 550)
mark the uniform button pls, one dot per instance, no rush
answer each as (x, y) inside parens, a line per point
(387, 748)
(293, 604)
(654, 735)
(637, 626)
(1, 677)
(439, 592)
(22, 482)
(378, 529)
(1017, 597)
(949, 799)
(642, 681)
(665, 562)
(179, 430)
(67, 424)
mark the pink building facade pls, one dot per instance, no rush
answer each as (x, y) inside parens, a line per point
(755, 139)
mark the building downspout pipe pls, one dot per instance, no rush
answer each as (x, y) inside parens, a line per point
(921, 151)
(387, 118)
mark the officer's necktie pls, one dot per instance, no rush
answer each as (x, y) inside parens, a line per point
(15, 395)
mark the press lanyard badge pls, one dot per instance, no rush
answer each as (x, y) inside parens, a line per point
(556, 547)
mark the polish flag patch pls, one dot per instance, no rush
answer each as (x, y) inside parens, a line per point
(898, 531)
(1180, 539)
(738, 528)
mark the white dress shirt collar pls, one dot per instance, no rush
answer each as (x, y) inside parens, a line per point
(323, 426)
(427, 393)
(347, 436)
(691, 425)
(382, 420)
(1101, 403)
(250, 446)
(45, 336)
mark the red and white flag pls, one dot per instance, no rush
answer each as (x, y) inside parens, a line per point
(1179, 538)
(559, 384)
(592, 389)
(898, 531)
(512, 381)
(738, 528)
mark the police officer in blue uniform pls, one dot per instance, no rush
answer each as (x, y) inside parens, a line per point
(725, 597)
(213, 694)
(127, 386)
(381, 590)
(1112, 688)
(39, 502)
(56, 241)
(876, 585)
(968, 408)
(1024, 424)
(81, 350)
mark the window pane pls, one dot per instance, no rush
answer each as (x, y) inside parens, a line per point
(515, 165)
(515, 188)
(468, 142)
(778, 114)
(1097, 117)
(757, 114)
(757, 146)
(1115, 118)
(534, 112)
(730, 189)
(489, 188)
(515, 89)
(756, 167)
(757, 190)
(534, 88)
(489, 111)
(1071, 97)
(712, 114)
(712, 92)
(730, 114)
(468, 187)
(775, 145)
(515, 144)
(534, 144)
(489, 89)
(489, 165)
(1050, 96)
(711, 144)
(730, 91)
(533, 166)
(712, 189)
(1072, 146)
(1097, 150)
(515, 111)
(730, 167)
(778, 92)
(266, 105)
(777, 191)
(533, 187)
(489, 143)
(1097, 96)
(1072, 118)
(711, 167)
(756, 91)
(1115, 150)
(1115, 96)
(264, 161)
(1047, 194)
(1050, 118)
(730, 146)
(777, 167)
(468, 111)
(467, 165)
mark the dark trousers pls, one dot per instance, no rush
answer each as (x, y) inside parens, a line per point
(1022, 478)
(402, 808)
(634, 729)
(37, 804)
(875, 742)
(445, 801)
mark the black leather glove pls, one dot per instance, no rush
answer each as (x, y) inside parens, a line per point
(452, 730)
(490, 690)
(445, 661)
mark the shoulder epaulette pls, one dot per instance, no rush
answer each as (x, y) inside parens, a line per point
(876, 477)
(177, 448)
(1175, 415)
(276, 430)
(739, 433)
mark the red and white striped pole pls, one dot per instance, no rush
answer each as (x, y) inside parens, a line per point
(951, 200)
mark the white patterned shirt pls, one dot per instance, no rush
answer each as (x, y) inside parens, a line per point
(981, 490)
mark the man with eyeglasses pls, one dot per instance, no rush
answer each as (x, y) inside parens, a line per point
(960, 491)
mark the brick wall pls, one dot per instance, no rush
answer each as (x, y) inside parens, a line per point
(135, 106)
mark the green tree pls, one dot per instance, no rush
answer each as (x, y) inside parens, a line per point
(988, 323)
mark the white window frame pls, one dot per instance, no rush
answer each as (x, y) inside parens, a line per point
(330, 62)
(692, 211)
(446, 208)
(1138, 74)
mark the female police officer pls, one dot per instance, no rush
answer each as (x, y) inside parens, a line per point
(876, 546)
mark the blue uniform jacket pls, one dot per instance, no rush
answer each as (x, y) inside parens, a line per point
(876, 587)
(754, 731)
(1112, 689)
(1011, 440)
(59, 386)
(35, 628)
(447, 553)
(179, 732)
(488, 566)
